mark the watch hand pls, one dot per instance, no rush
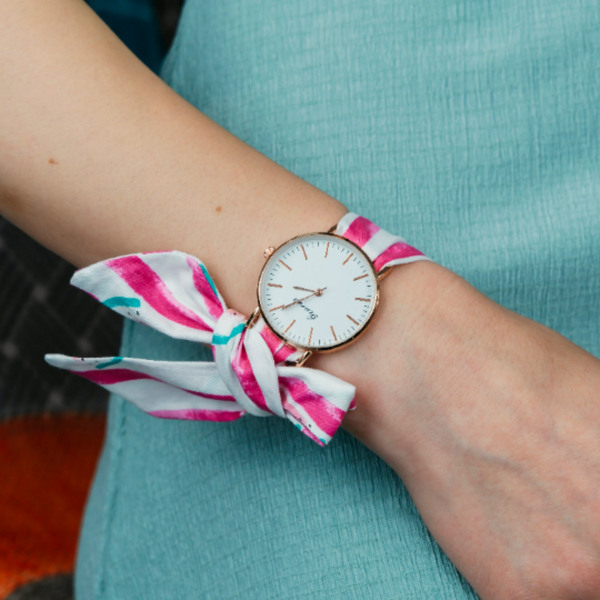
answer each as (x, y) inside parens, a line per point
(317, 292)
(296, 301)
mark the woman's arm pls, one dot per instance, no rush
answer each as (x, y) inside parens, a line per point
(99, 157)
(492, 420)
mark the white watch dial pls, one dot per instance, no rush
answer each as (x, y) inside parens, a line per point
(318, 291)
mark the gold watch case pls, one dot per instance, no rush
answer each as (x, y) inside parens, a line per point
(258, 312)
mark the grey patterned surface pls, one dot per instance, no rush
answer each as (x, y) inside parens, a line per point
(40, 313)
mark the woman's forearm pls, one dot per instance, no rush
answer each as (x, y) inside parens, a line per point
(99, 158)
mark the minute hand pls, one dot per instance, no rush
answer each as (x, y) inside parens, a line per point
(316, 292)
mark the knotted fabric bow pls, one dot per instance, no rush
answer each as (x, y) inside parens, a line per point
(173, 293)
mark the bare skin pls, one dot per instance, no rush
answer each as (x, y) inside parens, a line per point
(492, 420)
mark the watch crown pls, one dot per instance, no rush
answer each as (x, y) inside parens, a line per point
(268, 252)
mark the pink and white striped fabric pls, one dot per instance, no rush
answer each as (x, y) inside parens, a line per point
(383, 248)
(173, 293)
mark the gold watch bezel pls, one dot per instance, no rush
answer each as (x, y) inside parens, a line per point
(349, 341)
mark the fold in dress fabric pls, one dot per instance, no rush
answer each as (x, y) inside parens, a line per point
(471, 129)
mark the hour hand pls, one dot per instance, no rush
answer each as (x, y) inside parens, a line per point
(316, 292)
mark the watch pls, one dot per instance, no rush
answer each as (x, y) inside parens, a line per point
(318, 292)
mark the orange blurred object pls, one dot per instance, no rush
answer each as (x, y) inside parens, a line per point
(46, 468)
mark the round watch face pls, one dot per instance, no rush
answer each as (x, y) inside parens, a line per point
(318, 291)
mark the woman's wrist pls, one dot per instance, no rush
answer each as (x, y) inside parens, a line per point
(382, 363)
(434, 340)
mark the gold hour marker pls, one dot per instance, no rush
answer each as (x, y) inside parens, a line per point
(304, 252)
(332, 331)
(288, 268)
(355, 322)
(349, 257)
(361, 276)
(310, 335)
(272, 309)
(289, 326)
(274, 285)
(362, 299)
(326, 249)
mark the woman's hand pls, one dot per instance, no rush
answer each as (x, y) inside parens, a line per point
(493, 423)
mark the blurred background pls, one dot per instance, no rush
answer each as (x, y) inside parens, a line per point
(51, 422)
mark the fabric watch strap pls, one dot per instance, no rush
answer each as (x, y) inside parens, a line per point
(173, 293)
(384, 249)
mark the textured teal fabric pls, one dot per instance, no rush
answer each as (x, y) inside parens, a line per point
(469, 127)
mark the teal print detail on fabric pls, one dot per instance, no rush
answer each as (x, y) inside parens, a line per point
(115, 361)
(116, 301)
(221, 340)
(208, 278)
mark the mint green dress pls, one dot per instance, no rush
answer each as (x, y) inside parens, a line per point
(468, 127)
